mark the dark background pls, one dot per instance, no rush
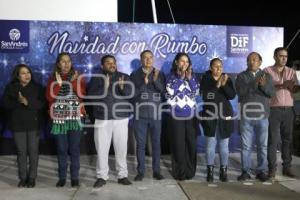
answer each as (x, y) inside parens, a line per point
(241, 13)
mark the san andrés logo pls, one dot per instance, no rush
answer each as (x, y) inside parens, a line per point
(14, 35)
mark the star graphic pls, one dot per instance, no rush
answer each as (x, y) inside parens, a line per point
(214, 55)
(86, 38)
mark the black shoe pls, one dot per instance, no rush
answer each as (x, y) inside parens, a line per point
(99, 183)
(31, 183)
(139, 177)
(210, 173)
(124, 181)
(158, 176)
(262, 177)
(22, 183)
(287, 172)
(223, 173)
(180, 178)
(61, 183)
(244, 176)
(75, 183)
(272, 173)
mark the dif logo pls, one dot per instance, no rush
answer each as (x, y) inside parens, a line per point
(14, 36)
(239, 41)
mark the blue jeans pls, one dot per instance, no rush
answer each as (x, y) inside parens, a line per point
(68, 144)
(140, 129)
(259, 129)
(211, 143)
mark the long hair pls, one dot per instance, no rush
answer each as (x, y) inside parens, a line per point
(58, 58)
(16, 72)
(177, 57)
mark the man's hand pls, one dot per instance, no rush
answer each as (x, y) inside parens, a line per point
(156, 73)
(107, 81)
(262, 80)
(121, 82)
(289, 84)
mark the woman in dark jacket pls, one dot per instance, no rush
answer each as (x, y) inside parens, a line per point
(24, 100)
(217, 89)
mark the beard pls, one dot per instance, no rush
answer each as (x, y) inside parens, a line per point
(111, 70)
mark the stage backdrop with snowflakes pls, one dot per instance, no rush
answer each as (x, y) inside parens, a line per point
(37, 44)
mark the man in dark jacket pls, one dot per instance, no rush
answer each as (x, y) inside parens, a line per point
(149, 85)
(110, 91)
(254, 88)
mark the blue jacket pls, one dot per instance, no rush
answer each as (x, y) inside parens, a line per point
(150, 93)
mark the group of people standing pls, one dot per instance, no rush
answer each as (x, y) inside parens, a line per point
(265, 98)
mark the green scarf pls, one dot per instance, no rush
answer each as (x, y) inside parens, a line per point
(66, 110)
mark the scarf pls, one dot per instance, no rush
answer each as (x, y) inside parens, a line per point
(66, 110)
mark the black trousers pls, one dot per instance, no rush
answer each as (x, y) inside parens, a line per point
(183, 137)
(281, 122)
(27, 143)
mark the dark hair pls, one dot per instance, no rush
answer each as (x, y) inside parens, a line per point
(253, 52)
(279, 49)
(296, 64)
(145, 51)
(213, 60)
(103, 59)
(58, 58)
(177, 57)
(16, 72)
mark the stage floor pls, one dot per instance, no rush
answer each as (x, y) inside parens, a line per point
(148, 189)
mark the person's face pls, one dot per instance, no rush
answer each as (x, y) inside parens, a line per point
(109, 65)
(24, 76)
(254, 62)
(281, 58)
(216, 68)
(182, 63)
(147, 60)
(65, 64)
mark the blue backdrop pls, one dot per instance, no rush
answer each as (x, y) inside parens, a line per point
(37, 44)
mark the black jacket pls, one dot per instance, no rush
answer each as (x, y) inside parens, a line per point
(104, 110)
(21, 117)
(151, 93)
(220, 96)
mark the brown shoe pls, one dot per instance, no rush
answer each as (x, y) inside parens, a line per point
(272, 173)
(287, 172)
